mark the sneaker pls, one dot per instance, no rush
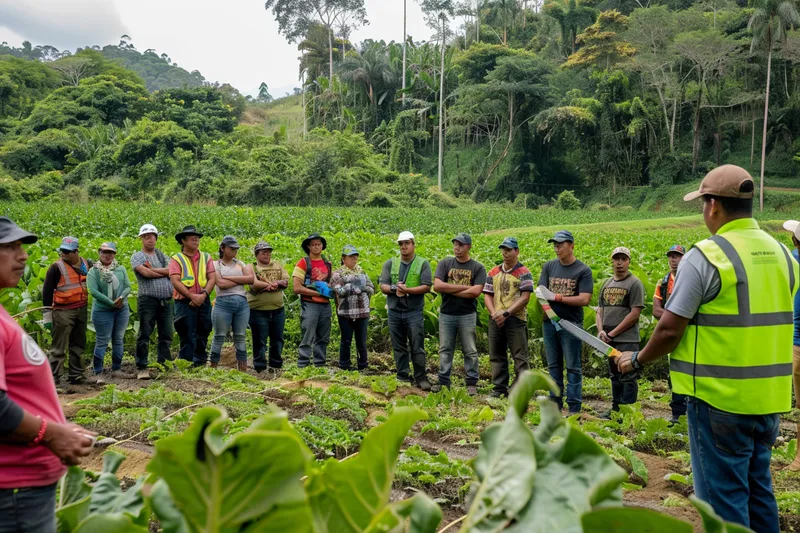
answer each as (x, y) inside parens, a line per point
(605, 415)
(121, 374)
(83, 380)
(498, 394)
(424, 384)
(437, 387)
(472, 390)
(673, 420)
(144, 374)
(241, 366)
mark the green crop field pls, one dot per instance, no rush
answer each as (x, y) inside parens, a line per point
(330, 450)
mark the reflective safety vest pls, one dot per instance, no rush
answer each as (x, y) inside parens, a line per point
(736, 353)
(412, 274)
(187, 270)
(71, 288)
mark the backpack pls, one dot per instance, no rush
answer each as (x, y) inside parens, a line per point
(662, 288)
(307, 280)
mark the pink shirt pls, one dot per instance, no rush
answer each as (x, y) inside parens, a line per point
(26, 377)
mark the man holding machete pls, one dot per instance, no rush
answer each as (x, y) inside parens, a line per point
(728, 329)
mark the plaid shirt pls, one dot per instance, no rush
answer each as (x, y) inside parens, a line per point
(348, 304)
(160, 288)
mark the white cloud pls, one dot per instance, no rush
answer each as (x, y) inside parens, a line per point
(235, 41)
(61, 23)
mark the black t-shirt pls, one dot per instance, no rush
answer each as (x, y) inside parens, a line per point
(450, 270)
(569, 280)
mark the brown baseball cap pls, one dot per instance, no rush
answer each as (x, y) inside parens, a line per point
(726, 181)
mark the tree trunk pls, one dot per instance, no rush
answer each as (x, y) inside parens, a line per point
(672, 126)
(696, 128)
(478, 25)
(752, 136)
(305, 108)
(764, 134)
(330, 55)
(441, 111)
(405, 39)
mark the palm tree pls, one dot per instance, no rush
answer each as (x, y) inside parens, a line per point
(373, 71)
(770, 22)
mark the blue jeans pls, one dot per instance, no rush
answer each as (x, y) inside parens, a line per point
(263, 325)
(28, 510)
(193, 325)
(730, 462)
(154, 313)
(230, 311)
(349, 328)
(315, 325)
(464, 327)
(562, 349)
(109, 325)
(407, 331)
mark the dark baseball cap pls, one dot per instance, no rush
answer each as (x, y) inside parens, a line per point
(262, 246)
(463, 238)
(230, 241)
(10, 232)
(509, 242)
(562, 236)
(676, 248)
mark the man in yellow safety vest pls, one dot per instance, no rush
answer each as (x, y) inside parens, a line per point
(728, 327)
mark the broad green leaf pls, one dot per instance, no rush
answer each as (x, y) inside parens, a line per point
(106, 523)
(73, 500)
(171, 519)
(625, 520)
(418, 514)
(221, 486)
(711, 520)
(346, 496)
(107, 496)
(506, 463)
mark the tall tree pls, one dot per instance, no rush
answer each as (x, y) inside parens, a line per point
(296, 17)
(263, 93)
(770, 22)
(437, 15)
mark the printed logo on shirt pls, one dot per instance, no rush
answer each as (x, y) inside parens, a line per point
(563, 286)
(459, 276)
(33, 354)
(614, 296)
(268, 275)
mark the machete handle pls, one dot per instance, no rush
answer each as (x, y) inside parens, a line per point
(615, 353)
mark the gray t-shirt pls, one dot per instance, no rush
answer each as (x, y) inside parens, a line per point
(570, 280)
(412, 302)
(451, 270)
(616, 299)
(697, 282)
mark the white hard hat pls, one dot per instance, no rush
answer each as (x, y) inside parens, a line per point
(405, 236)
(792, 226)
(147, 228)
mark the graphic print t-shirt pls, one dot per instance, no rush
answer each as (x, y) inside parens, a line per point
(319, 272)
(570, 280)
(468, 274)
(617, 298)
(507, 287)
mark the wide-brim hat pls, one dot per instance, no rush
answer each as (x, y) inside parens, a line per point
(310, 238)
(185, 232)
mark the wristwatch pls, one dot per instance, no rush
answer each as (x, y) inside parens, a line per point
(506, 314)
(635, 364)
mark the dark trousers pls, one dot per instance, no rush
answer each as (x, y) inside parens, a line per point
(264, 325)
(678, 402)
(69, 333)
(28, 510)
(730, 463)
(154, 313)
(193, 325)
(512, 336)
(622, 392)
(349, 328)
(407, 332)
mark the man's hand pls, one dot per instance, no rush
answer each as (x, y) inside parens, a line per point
(603, 336)
(68, 442)
(197, 299)
(401, 289)
(546, 293)
(47, 320)
(624, 362)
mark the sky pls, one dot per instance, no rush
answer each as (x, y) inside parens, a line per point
(235, 41)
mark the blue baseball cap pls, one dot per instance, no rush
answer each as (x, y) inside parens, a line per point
(509, 242)
(69, 244)
(108, 247)
(562, 236)
(349, 249)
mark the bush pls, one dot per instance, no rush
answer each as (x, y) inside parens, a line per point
(567, 201)
(379, 199)
(440, 199)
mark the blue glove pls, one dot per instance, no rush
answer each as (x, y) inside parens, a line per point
(323, 289)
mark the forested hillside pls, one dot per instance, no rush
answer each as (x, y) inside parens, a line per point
(522, 102)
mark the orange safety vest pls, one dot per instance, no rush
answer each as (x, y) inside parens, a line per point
(71, 288)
